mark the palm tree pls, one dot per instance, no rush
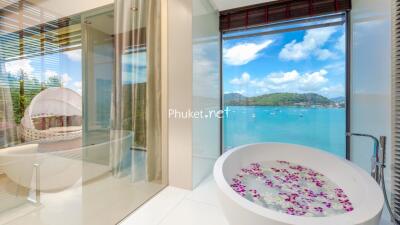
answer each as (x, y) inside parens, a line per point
(22, 98)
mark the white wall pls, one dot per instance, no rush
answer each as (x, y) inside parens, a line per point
(62, 8)
(206, 88)
(371, 75)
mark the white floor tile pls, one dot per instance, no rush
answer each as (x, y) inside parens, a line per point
(191, 212)
(175, 206)
(153, 212)
(206, 192)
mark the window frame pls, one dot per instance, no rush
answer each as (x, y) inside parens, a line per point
(346, 16)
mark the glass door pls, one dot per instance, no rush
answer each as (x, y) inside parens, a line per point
(98, 67)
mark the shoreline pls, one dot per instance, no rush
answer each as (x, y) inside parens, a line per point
(289, 106)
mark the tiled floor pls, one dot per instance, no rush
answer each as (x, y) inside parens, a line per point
(174, 206)
(77, 202)
(83, 204)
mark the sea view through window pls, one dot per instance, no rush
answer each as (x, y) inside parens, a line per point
(286, 87)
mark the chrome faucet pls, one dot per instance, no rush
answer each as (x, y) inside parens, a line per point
(378, 158)
(378, 165)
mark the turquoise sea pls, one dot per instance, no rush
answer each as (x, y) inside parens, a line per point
(322, 128)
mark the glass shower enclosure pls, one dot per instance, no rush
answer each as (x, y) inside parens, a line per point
(79, 112)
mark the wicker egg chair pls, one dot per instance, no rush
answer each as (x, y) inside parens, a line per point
(57, 102)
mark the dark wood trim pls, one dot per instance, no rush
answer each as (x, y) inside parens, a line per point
(283, 10)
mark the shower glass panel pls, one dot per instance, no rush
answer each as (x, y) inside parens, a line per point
(76, 144)
(98, 55)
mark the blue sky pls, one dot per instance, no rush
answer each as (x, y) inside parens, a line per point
(66, 66)
(299, 61)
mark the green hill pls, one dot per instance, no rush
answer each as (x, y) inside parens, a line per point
(278, 99)
(234, 96)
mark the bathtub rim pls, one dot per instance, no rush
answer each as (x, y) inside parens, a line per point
(360, 215)
(9, 151)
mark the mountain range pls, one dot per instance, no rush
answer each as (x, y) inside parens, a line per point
(283, 99)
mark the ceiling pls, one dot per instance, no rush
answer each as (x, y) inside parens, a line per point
(222, 5)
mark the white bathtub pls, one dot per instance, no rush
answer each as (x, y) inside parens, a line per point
(59, 170)
(363, 191)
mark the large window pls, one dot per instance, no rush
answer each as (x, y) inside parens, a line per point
(43, 59)
(287, 84)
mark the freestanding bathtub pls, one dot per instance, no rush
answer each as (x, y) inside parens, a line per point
(363, 191)
(60, 170)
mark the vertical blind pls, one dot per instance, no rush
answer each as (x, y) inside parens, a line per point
(272, 12)
(396, 107)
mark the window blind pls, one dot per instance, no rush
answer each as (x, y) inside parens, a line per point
(396, 110)
(27, 30)
(278, 11)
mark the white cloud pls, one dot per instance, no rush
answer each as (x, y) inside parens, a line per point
(206, 69)
(324, 54)
(311, 45)
(313, 81)
(341, 44)
(78, 86)
(292, 81)
(243, 79)
(279, 78)
(240, 91)
(50, 73)
(244, 53)
(64, 78)
(74, 55)
(336, 68)
(14, 67)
